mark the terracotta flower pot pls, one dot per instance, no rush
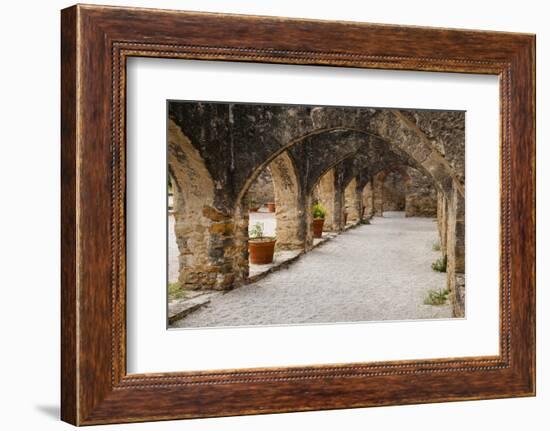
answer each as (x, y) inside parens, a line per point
(318, 227)
(253, 209)
(261, 251)
(271, 207)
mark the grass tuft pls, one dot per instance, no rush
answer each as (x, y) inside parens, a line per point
(440, 265)
(175, 291)
(437, 297)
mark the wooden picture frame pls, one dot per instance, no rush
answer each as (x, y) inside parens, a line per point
(95, 43)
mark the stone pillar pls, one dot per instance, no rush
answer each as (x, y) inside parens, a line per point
(368, 200)
(290, 204)
(327, 198)
(378, 194)
(353, 202)
(308, 217)
(204, 228)
(456, 247)
(205, 238)
(339, 198)
(237, 249)
(442, 221)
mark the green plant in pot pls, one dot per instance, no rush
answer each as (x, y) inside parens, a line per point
(319, 213)
(260, 248)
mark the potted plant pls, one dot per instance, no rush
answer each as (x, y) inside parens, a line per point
(319, 213)
(253, 205)
(260, 247)
(271, 207)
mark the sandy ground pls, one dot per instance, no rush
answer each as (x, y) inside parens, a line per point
(380, 271)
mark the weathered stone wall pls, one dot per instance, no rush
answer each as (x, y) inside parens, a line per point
(203, 234)
(353, 202)
(394, 192)
(325, 194)
(217, 150)
(456, 247)
(237, 141)
(421, 196)
(442, 222)
(290, 204)
(368, 200)
(378, 194)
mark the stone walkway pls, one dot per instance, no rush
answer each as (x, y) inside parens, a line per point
(380, 271)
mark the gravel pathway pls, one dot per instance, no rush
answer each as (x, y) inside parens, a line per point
(380, 271)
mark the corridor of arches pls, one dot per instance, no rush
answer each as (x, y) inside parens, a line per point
(389, 184)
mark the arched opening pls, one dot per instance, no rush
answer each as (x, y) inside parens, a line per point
(272, 200)
(192, 220)
(292, 156)
(260, 200)
(325, 193)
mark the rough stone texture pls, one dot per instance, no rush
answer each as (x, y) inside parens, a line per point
(442, 222)
(368, 200)
(446, 130)
(421, 196)
(218, 150)
(353, 203)
(238, 140)
(375, 272)
(326, 195)
(456, 251)
(193, 197)
(290, 204)
(394, 190)
(378, 194)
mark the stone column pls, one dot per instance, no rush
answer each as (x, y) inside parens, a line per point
(327, 198)
(442, 221)
(290, 205)
(378, 194)
(204, 226)
(339, 197)
(456, 247)
(368, 200)
(353, 202)
(205, 238)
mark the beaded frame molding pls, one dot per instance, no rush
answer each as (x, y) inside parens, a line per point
(95, 43)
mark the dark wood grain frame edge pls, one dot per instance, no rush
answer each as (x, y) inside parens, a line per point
(95, 387)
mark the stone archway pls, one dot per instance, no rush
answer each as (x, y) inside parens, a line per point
(195, 217)
(235, 140)
(289, 212)
(289, 208)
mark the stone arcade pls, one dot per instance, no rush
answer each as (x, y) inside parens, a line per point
(359, 160)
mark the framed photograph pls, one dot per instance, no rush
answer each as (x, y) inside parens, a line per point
(264, 215)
